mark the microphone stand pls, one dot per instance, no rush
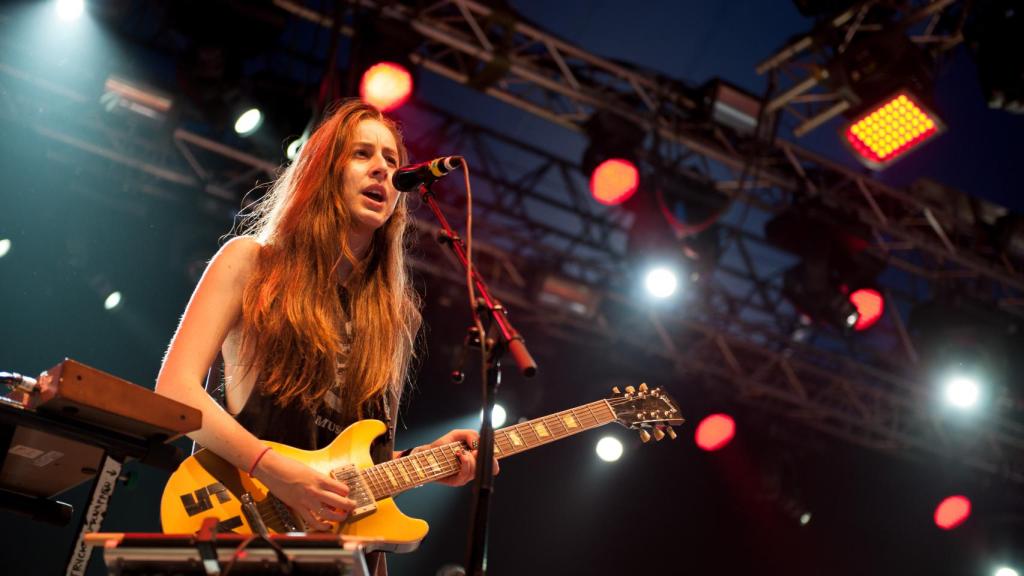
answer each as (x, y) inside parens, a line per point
(508, 340)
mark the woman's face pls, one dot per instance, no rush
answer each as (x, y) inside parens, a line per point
(366, 180)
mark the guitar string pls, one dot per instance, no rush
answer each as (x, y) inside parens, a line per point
(448, 464)
(374, 479)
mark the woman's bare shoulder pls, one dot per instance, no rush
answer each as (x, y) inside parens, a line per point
(237, 257)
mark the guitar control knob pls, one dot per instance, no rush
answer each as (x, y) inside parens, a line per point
(645, 436)
(630, 390)
(643, 387)
(658, 434)
(671, 432)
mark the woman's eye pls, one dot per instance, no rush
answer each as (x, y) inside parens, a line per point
(393, 161)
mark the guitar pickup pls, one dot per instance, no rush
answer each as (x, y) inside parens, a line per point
(358, 490)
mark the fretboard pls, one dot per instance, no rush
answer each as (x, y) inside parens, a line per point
(390, 478)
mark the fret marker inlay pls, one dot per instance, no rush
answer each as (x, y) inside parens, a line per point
(542, 430)
(514, 437)
(570, 422)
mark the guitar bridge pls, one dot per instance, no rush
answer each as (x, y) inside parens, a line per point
(358, 490)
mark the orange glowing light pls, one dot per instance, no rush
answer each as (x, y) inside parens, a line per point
(952, 512)
(715, 431)
(614, 181)
(891, 130)
(386, 86)
(870, 305)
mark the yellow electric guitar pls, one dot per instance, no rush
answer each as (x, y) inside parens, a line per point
(207, 486)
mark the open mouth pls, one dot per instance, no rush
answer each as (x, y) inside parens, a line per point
(374, 195)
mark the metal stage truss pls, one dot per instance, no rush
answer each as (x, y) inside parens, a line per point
(738, 332)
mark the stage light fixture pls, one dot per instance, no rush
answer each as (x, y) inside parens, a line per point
(805, 518)
(248, 122)
(614, 181)
(612, 137)
(125, 96)
(729, 105)
(69, 10)
(294, 147)
(661, 282)
(993, 33)
(555, 290)
(1006, 571)
(381, 71)
(609, 449)
(884, 79)
(869, 304)
(891, 130)
(5, 246)
(971, 351)
(952, 512)
(112, 301)
(962, 391)
(386, 86)
(715, 432)
(835, 264)
(498, 416)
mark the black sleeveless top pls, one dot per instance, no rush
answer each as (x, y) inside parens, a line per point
(296, 425)
(312, 429)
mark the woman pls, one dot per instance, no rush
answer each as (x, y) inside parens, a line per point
(313, 314)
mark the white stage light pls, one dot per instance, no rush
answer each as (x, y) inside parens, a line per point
(69, 10)
(5, 247)
(609, 449)
(962, 392)
(661, 282)
(249, 122)
(113, 300)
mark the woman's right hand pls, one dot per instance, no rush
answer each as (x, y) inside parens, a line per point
(313, 495)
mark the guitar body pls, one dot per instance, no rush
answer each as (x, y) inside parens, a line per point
(206, 486)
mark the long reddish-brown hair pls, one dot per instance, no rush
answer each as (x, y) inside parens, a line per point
(293, 315)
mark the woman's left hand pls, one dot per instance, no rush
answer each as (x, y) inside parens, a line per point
(467, 468)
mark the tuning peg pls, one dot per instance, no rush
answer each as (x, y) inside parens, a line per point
(645, 436)
(643, 387)
(671, 432)
(658, 434)
(615, 390)
(630, 390)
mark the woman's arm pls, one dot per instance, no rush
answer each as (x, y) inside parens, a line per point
(216, 307)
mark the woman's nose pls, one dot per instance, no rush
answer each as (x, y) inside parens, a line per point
(379, 166)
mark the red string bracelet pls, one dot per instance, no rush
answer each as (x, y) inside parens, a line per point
(257, 460)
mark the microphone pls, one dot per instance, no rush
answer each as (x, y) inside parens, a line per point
(408, 178)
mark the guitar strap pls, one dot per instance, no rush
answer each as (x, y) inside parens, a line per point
(228, 476)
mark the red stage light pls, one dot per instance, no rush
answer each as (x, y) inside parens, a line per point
(386, 86)
(952, 512)
(870, 305)
(715, 431)
(890, 130)
(614, 181)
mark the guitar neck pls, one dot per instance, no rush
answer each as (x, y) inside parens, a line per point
(390, 478)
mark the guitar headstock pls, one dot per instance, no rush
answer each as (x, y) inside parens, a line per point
(651, 411)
